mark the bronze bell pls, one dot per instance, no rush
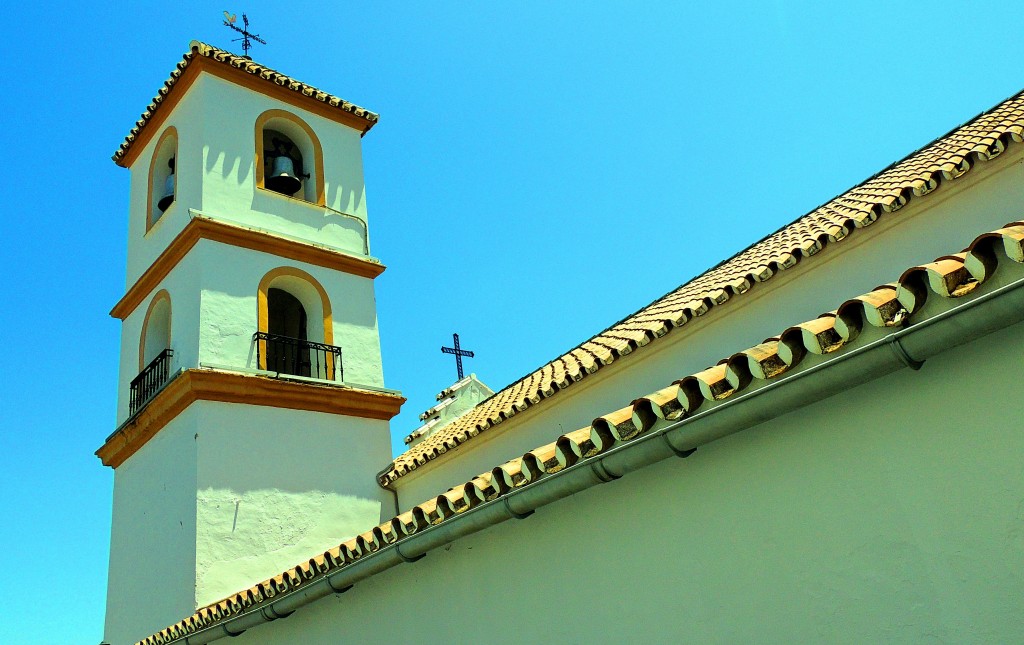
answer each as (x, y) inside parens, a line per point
(283, 178)
(168, 197)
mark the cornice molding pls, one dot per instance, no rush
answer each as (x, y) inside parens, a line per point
(251, 389)
(205, 228)
(150, 126)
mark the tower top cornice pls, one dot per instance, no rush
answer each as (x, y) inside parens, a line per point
(243, 71)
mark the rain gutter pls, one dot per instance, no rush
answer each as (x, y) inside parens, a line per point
(955, 323)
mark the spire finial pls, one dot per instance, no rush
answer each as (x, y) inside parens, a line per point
(247, 36)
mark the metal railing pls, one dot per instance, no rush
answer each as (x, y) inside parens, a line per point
(296, 356)
(149, 381)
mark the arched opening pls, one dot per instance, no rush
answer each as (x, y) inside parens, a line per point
(154, 352)
(163, 177)
(156, 329)
(289, 159)
(286, 317)
(295, 331)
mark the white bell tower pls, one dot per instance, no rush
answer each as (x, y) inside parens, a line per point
(252, 414)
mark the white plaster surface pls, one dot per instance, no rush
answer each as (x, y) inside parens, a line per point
(229, 284)
(152, 570)
(275, 486)
(891, 513)
(182, 285)
(935, 225)
(216, 174)
(216, 327)
(461, 397)
(227, 495)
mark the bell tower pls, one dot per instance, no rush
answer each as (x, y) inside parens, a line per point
(252, 415)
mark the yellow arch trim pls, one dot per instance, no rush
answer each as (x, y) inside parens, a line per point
(169, 132)
(318, 151)
(263, 317)
(160, 295)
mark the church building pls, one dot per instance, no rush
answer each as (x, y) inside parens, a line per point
(817, 440)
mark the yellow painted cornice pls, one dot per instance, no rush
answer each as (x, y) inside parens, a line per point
(252, 389)
(201, 227)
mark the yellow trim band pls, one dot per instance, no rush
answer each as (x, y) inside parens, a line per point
(205, 228)
(232, 387)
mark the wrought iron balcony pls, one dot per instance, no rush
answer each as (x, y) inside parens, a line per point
(149, 381)
(288, 355)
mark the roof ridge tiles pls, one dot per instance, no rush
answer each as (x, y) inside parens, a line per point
(199, 49)
(918, 174)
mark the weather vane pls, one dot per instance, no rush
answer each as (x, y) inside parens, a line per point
(229, 21)
(459, 353)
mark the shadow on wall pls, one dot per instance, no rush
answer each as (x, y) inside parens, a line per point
(339, 229)
(346, 195)
(219, 163)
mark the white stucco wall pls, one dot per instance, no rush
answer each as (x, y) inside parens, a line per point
(216, 175)
(143, 246)
(152, 570)
(275, 485)
(943, 222)
(213, 292)
(182, 285)
(227, 495)
(890, 513)
(229, 284)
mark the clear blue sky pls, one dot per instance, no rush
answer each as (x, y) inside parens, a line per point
(539, 172)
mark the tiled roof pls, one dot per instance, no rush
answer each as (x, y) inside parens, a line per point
(202, 50)
(945, 159)
(890, 305)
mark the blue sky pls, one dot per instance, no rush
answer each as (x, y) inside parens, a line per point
(539, 172)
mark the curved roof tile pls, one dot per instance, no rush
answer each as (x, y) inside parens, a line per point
(945, 159)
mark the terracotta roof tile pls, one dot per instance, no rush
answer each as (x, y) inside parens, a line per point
(945, 159)
(202, 50)
(743, 370)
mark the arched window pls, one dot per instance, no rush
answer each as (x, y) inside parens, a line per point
(156, 329)
(163, 179)
(289, 159)
(154, 352)
(286, 317)
(295, 332)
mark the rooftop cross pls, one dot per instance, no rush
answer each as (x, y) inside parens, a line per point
(459, 353)
(229, 21)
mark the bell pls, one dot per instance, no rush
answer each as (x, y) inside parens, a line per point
(168, 197)
(282, 178)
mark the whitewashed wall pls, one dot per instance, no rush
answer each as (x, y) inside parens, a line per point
(230, 281)
(888, 514)
(227, 495)
(216, 175)
(275, 485)
(182, 285)
(153, 533)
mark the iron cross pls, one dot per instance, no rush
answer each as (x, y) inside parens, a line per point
(229, 21)
(459, 353)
